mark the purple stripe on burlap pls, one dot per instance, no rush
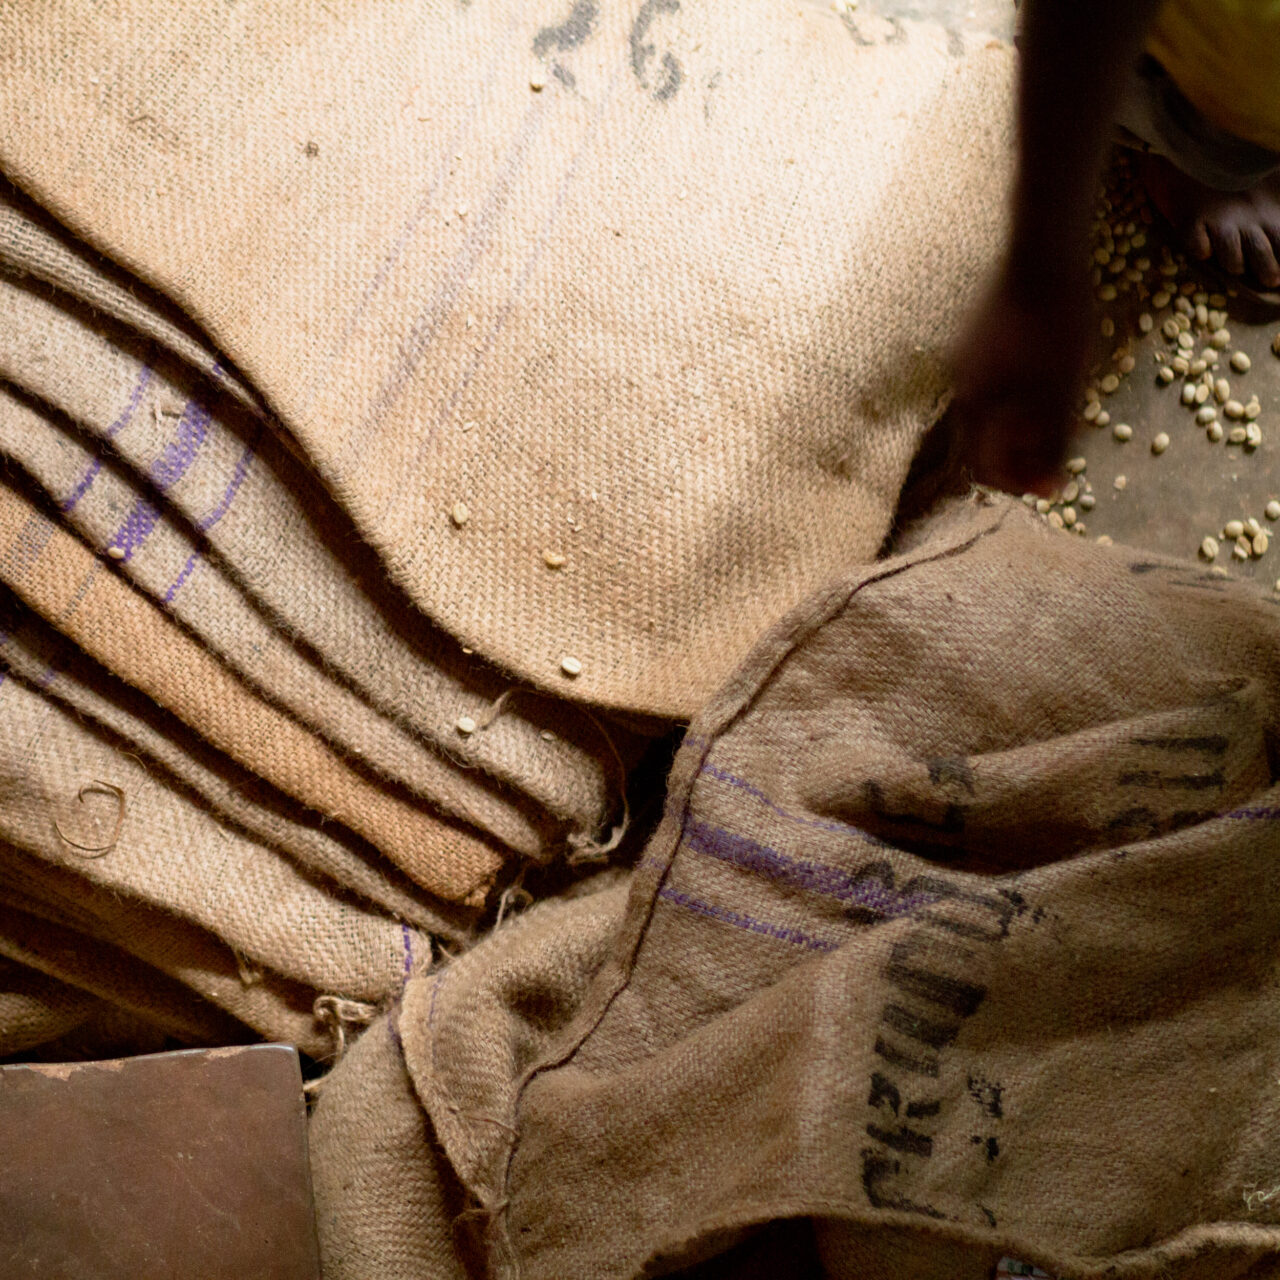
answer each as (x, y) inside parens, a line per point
(176, 585)
(867, 888)
(423, 330)
(479, 356)
(425, 202)
(126, 416)
(741, 921)
(173, 463)
(408, 950)
(1262, 814)
(220, 510)
(820, 824)
(233, 486)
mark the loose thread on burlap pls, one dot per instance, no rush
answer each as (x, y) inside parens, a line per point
(586, 848)
(90, 851)
(515, 897)
(499, 705)
(479, 1115)
(249, 973)
(1256, 1197)
(339, 1012)
(583, 847)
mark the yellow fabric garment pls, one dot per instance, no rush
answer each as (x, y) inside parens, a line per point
(1225, 57)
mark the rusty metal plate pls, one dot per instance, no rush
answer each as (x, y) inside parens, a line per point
(190, 1164)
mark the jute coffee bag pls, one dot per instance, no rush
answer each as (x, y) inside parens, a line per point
(957, 940)
(654, 297)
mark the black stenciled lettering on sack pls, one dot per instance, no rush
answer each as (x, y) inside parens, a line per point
(953, 994)
(965, 918)
(873, 888)
(904, 825)
(990, 1097)
(936, 1035)
(911, 1141)
(666, 85)
(1190, 762)
(920, 1064)
(884, 1093)
(877, 1168)
(989, 1146)
(932, 998)
(566, 36)
(886, 1096)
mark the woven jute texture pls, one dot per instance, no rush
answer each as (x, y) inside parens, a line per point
(176, 758)
(409, 1123)
(386, 1198)
(957, 940)
(662, 289)
(221, 526)
(37, 906)
(70, 797)
(59, 577)
(161, 560)
(198, 963)
(35, 1008)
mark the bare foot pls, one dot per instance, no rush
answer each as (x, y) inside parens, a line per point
(1239, 229)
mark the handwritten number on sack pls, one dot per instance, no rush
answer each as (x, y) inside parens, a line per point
(666, 84)
(570, 33)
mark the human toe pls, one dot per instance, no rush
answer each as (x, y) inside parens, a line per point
(1225, 238)
(1261, 256)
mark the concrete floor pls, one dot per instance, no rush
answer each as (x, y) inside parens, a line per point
(1172, 501)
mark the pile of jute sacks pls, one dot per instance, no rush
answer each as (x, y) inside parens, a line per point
(411, 414)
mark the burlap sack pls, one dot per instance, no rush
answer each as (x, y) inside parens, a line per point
(70, 797)
(34, 652)
(386, 1199)
(60, 578)
(32, 247)
(263, 520)
(399, 1193)
(35, 1008)
(157, 557)
(663, 288)
(30, 938)
(958, 939)
(54, 911)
